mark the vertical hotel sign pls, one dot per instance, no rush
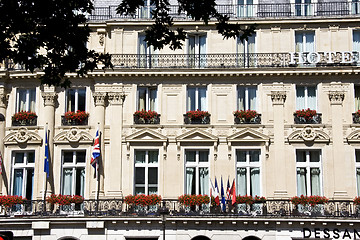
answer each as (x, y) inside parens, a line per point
(324, 57)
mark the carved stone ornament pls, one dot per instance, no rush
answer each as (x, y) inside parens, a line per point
(21, 136)
(49, 98)
(278, 97)
(101, 39)
(3, 99)
(73, 135)
(354, 137)
(99, 98)
(116, 98)
(336, 97)
(308, 134)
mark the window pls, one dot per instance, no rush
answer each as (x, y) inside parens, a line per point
(308, 172)
(147, 98)
(145, 11)
(355, 7)
(246, 98)
(356, 46)
(357, 98)
(197, 171)
(25, 99)
(306, 97)
(75, 99)
(146, 171)
(303, 8)
(245, 8)
(146, 57)
(196, 99)
(248, 167)
(305, 41)
(73, 172)
(246, 51)
(357, 165)
(23, 164)
(197, 50)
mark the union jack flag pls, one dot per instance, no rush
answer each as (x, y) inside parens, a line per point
(95, 151)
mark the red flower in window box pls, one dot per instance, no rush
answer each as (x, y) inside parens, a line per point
(8, 200)
(23, 116)
(197, 114)
(64, 199)
(245, 114)
(146, 114)
(76, 116)
(143, 200)
(307, 114)
(312, 200)
(192, 200)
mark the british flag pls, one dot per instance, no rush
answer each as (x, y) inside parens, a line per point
(95, 151)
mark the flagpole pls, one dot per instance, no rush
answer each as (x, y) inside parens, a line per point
(45, 173)
(97, 173)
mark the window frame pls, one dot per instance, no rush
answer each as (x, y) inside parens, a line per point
(306, 96)
(76, 104)
(308, 165)
(24, 167)
(147, 98)
(248, 165)
(27, 102)
(147, 165)
(246, 97)
(357, 167)
(303, 42)
(188, 107)
(73, 166)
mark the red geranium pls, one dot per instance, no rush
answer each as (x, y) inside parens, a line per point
(192, 200)
(307, 114)
(8, 200)
(24, 115)
(76, 116)
(64, 199)
(146, 114)
(312, 200)
(245, 114)
(197, 114)
(143, 200)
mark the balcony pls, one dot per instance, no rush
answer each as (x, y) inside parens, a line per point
(73, 122)
(242, 11)
(25, 122)
(255, 120)
(234, 60)
(313, 120)
(197, 120)
(140, 120)
(117, 207)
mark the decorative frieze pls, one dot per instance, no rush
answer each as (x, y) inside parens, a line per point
(49, 98)
(336, 97)
(22, 136)
(99, 98)
(278, 97)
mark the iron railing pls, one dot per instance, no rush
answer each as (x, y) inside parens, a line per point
(117, 207)
(233, 60)
(255, 120)
(25, 122)
(139, 120)
(313, 120)
(241, 11)
(75, 122)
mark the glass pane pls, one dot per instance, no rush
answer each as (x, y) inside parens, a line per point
(153, 156)
(29, 183)
(70, 105)
(31, 157)
(139, 190)
(67, 181)
(254, 156)
(19, 157)
(358, 180)
(153, 175)
(152, 98)
(314, 156)
(191, 99)
(190, 156)
(140, 156)
(204, 180)
(80, 156)
(141, 99)
(241, 98)
(255, 181)
(315, 181)
(21, 105)
(80, 181)
(68, 157)
(190, 181)
(300, 98)
(32, 97)
(202, 99)
(252, 98)
(240, 156)
(357, 155)
(301, 181)
(357, 97)
(81, 99)
(241, 181)
(300, 156)
(139, 175)
(153, 190)
(18, 182)
(203, 156)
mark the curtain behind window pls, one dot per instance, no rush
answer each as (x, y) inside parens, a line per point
(311, 98)
(18, 182)
(301, 181)
(315, 181)
(67, 181)
(191, 99)
(204, 180)
(356, 40)
(202, 99)
(357, 98)
(358, 180)
(300, 98)
(241, 181)
(190, 180)
(255, 181)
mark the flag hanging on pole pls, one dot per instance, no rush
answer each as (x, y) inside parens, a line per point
(228, 190)
(233, 193)
(223, 201)
(216, 193)
(95, 152)
(1, 163)
(46, 159)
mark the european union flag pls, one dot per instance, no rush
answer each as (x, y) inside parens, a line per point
(46, 160)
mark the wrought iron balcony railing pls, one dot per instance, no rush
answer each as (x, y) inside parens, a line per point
(117, 207)
(255, 120)
(155, 120)
(26, 122)
(76, 122)
(241, 11)
(234, 60)
(313, 120)
(203, 120)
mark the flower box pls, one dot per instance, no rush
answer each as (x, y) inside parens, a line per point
(146, 117)
(143, 200)
(193, 200)
(249, 199)
(307, 116)
(309, 200)
(24, 118)
(197, 117)
(9, 201)
(356, 117)
(64, 199)
(75, 118)
(246, 117)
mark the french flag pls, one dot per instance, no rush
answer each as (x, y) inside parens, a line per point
(216, 193)
(95, 151)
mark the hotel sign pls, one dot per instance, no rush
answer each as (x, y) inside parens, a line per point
(324, 57)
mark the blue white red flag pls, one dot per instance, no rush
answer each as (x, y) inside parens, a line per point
(216, 193)
(228, 190)
(95, 151)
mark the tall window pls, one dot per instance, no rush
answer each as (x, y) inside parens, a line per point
(197, 171)
(145, 11)
(73, 172)
(197, 50)
(146, 59)
(357, 97)
(246, 98)
(306, 97)
(248, 167)
(305, 41)
(75, 99)
(355, 7)
(303, 8)
(25, 99)
(147, 98)
(245, 8)
(146, 171)
(23, 164)
(246, 50)
(308, 172)
(357, 165)
(196, 99)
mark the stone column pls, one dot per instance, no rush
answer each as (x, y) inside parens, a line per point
(99, 115)
(279, 159)
(50, 98)
(114, 172)
(3, 106)
(340, 168)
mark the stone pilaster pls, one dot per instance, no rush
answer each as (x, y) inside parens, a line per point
(3, 106)
(279, 159)
(114, 181)
(340, 167)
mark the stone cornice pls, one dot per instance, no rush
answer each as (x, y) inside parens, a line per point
(278, 97)
(49, 98)
(336, 97)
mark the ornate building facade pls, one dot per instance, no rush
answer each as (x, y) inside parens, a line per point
(303, 56)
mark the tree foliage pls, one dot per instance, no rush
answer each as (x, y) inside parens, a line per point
(50, 35)
(162, 32)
